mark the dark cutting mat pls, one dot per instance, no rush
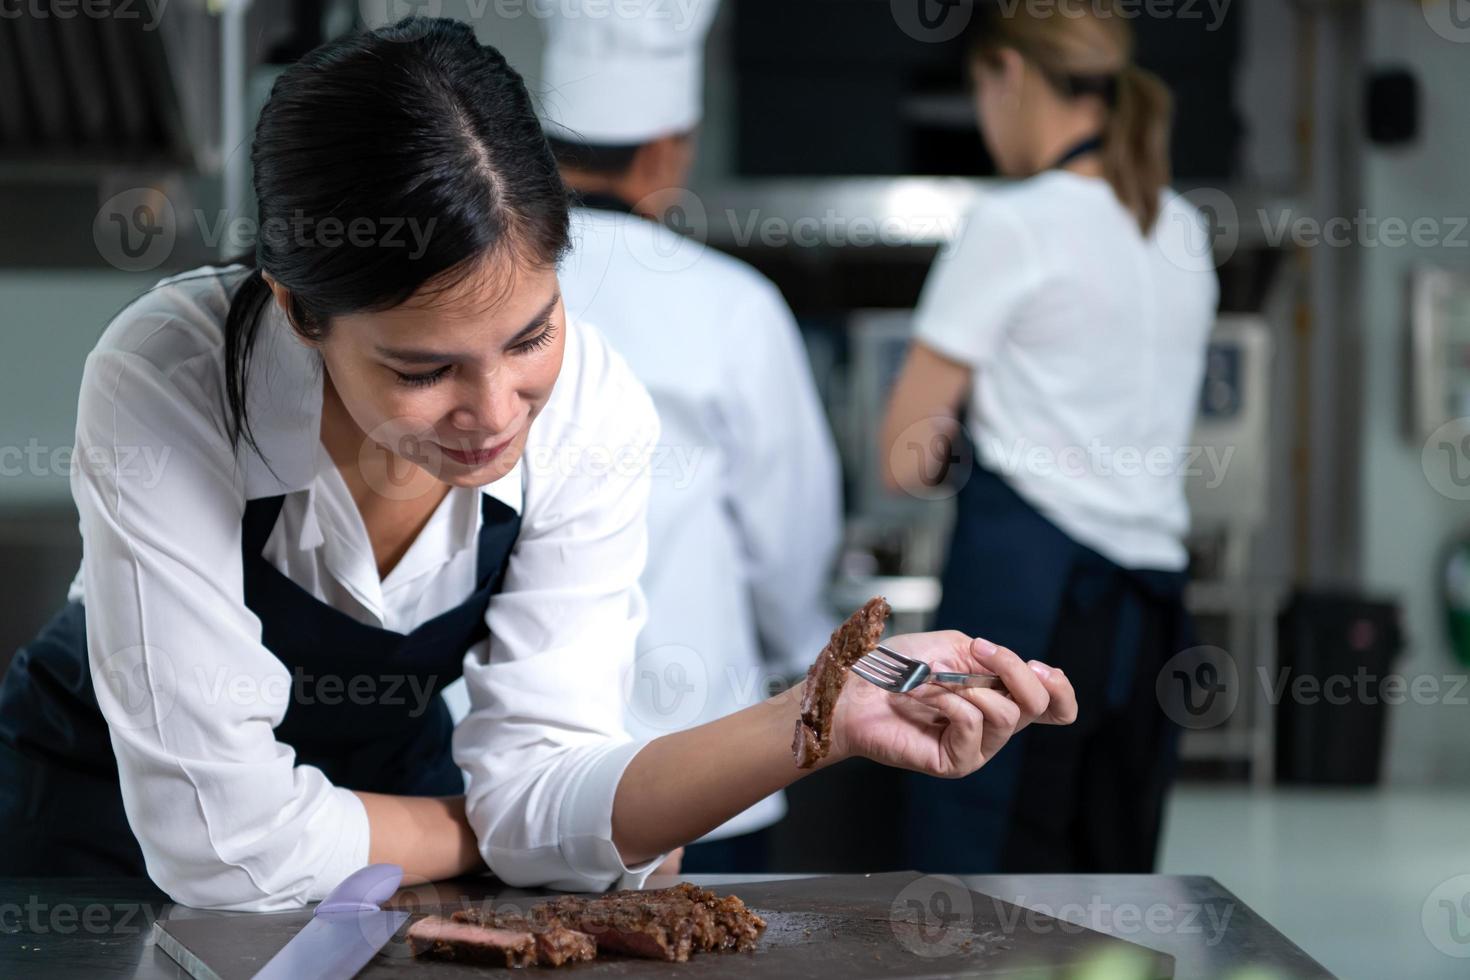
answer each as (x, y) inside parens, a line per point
(851, 926)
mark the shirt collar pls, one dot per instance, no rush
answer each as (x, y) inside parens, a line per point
(599, 201)
(284, 399)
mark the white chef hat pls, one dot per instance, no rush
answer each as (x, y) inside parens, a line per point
(620, 72)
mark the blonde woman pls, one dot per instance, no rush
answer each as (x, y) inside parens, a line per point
(1068, 324)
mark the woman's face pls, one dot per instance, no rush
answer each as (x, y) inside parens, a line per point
(451, 383)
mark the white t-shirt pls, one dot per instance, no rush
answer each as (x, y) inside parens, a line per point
(1087, 341)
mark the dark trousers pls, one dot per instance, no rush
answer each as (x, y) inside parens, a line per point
(1088, 797)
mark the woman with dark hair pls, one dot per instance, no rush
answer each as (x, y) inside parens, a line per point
(389, 460)
(1071, 316)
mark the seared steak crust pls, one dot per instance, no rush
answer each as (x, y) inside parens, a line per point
(666, 924)
(850, 641)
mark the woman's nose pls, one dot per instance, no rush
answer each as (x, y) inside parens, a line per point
(490, 407)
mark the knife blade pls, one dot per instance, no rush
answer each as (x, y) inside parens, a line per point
(346, 930)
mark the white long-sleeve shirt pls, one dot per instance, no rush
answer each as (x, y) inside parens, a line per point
(225, 817)
(745, 514)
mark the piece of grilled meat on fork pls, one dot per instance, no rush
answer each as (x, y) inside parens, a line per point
(852, 640)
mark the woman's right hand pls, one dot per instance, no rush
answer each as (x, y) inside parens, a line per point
(683, 785)
(949, 731)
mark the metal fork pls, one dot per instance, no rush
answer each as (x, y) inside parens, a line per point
(894, 672)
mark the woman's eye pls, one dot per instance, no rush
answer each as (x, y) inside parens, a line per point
(537, 342)
(422, 380)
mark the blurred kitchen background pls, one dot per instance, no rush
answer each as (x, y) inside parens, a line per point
(1326, 141)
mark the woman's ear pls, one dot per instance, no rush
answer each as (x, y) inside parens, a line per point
(1010, 74)
(282, 297)
(281, 293)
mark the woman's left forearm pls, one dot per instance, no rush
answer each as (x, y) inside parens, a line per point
(428, 836)
(681, 786)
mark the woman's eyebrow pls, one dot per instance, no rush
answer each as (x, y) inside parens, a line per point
(538, 321)
(413, 355)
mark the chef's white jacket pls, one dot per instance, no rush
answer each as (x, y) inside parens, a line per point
(225, 817)
(745, 512)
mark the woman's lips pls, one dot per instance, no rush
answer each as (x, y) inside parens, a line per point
(475, 457)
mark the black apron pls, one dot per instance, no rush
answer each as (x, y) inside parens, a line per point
(1081, 798)
(61, 809)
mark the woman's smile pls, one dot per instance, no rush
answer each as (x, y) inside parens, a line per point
(475, 457)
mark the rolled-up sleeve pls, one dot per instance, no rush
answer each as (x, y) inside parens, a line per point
(191, 696)
(543, 746)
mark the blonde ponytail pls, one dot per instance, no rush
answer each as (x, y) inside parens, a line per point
(1136, 143)
(1088, 49)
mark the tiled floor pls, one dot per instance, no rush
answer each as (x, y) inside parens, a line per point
(1365, 881)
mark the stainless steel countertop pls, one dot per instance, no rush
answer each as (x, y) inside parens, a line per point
(100, 927)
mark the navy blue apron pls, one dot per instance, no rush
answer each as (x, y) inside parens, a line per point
(61, 810)
(1014, 577)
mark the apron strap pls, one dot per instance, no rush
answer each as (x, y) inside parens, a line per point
(500, 524)
(258, 523)
(1090, 145)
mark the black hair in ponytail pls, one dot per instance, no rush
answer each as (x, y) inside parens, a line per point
(413, 126)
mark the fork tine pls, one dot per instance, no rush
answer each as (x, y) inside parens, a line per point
(900, 680)
(893, 654)
(886, 655)
(873, 679)
(881, 667)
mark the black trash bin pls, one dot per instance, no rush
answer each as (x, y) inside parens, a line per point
(1334, 652)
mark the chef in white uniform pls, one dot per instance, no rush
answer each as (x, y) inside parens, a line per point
(745, 511)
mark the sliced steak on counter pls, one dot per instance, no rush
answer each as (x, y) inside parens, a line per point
(447, 939)
(662, 924)
(733, 926)
(824, 680)
(558, 945)
(555, 943)
(666, 924)
(641, 924)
